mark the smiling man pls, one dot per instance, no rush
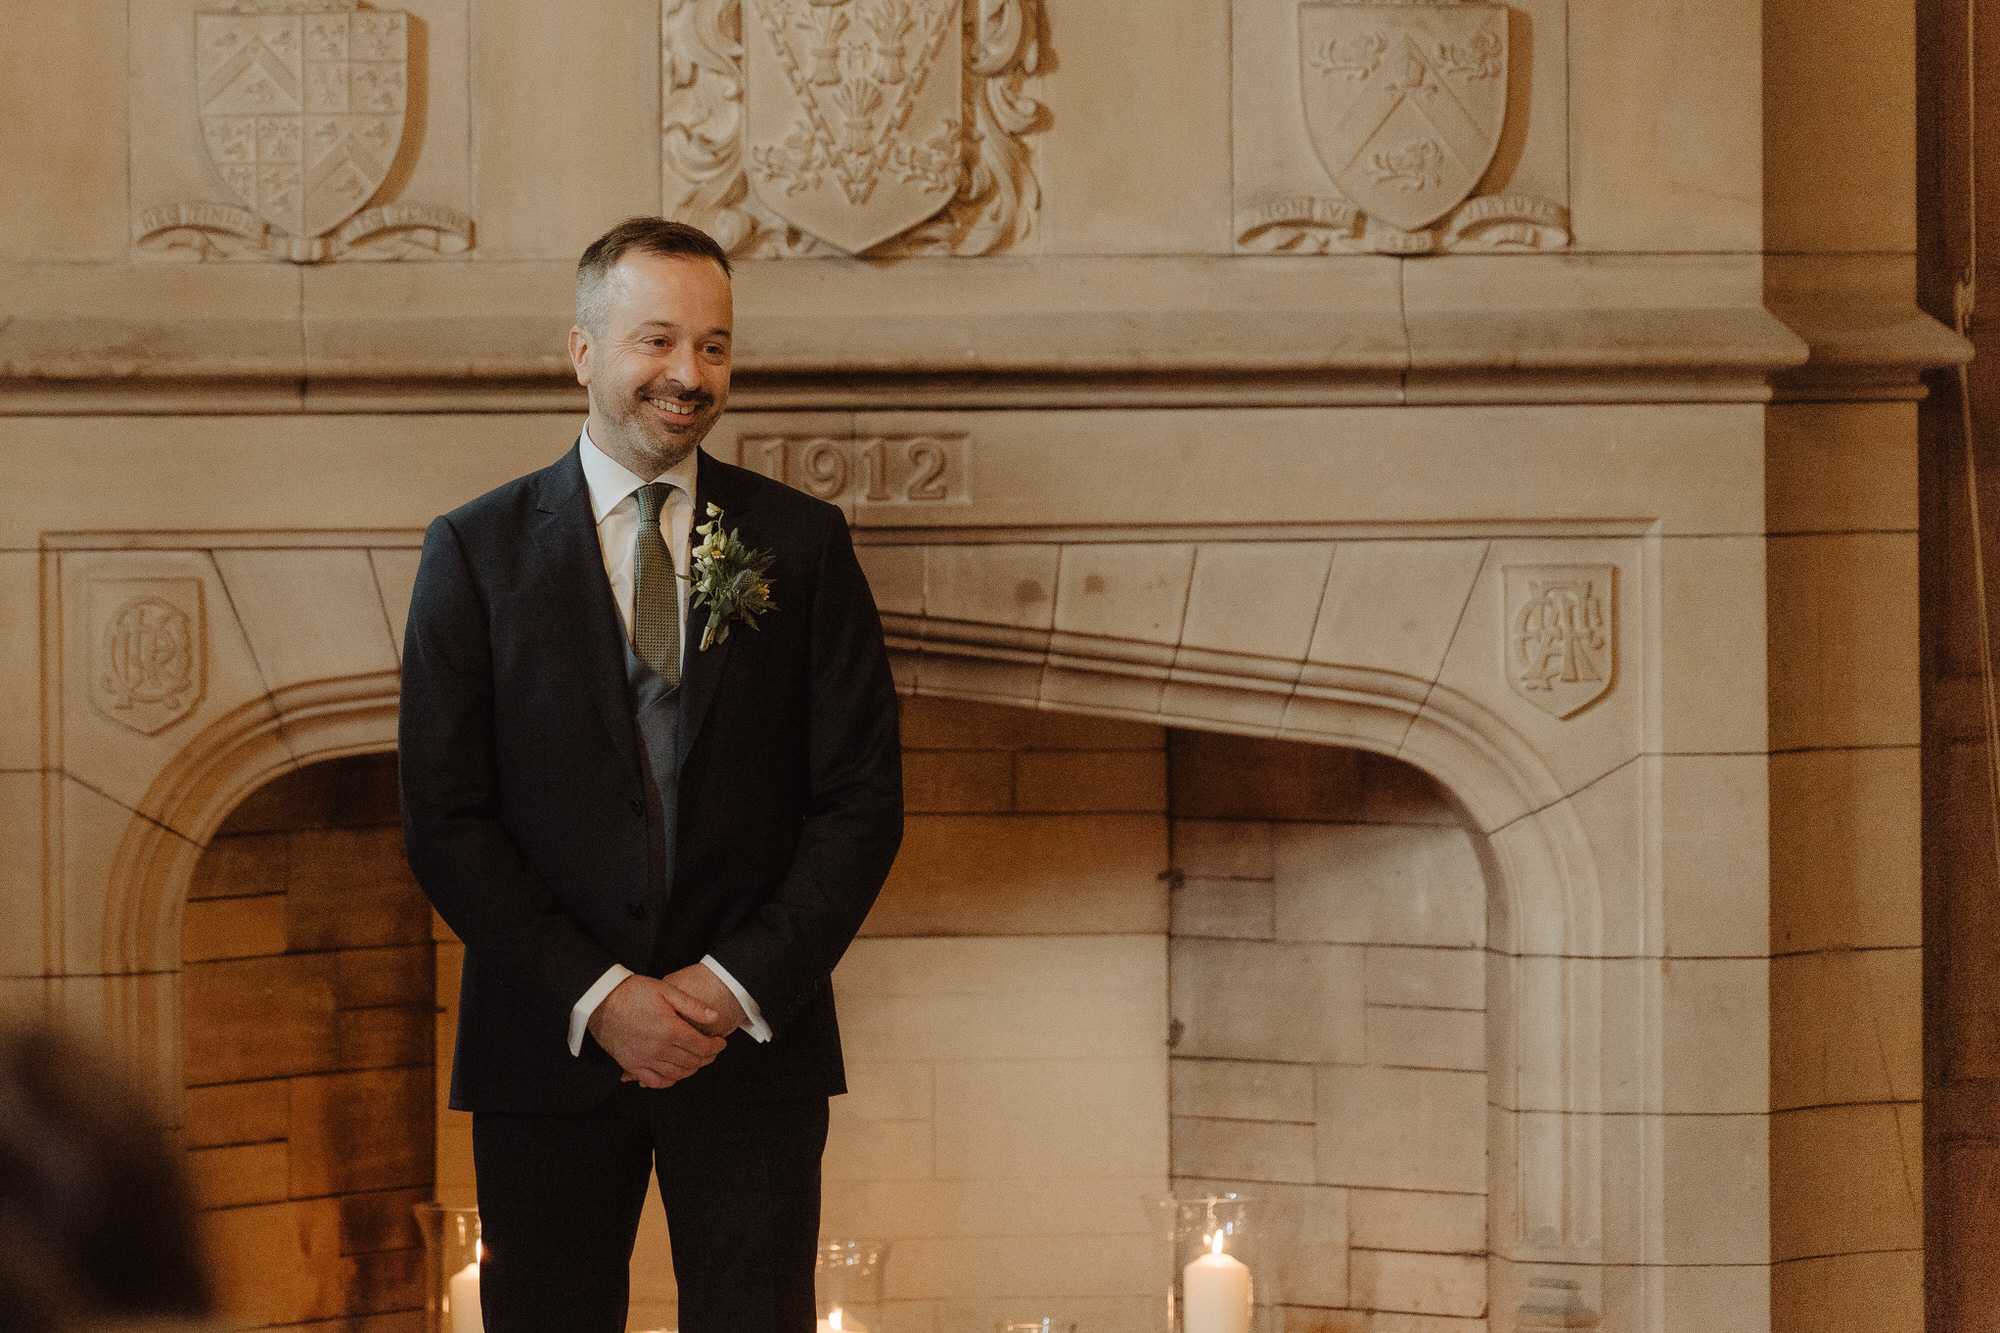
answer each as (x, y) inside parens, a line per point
(654, 851)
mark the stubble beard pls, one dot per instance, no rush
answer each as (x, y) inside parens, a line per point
(642, 438)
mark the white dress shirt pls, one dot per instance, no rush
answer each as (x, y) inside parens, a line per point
(616, 512)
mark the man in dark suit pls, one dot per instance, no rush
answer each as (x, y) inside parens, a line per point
(656, 823)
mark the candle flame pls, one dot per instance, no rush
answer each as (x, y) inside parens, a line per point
(833, 1319)
(1215, 1242)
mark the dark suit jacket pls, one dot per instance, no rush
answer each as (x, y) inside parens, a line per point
(527, 813)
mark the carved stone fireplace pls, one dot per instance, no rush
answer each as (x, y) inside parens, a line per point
(1571, 522)
(1562, 678)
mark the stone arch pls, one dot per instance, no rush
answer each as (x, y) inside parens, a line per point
(1545, 1167)
(1546, 1019)
(233, 756)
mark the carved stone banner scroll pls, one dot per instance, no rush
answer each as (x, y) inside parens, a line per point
(1405, 104)
(1561, 634)
(149, 650)
(885, 126)
(302, 107)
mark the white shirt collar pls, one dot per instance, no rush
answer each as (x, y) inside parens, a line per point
(610, 482)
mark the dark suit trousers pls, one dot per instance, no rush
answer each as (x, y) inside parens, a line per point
(559, 1201)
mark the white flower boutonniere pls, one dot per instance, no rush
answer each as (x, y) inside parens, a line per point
(729, 578)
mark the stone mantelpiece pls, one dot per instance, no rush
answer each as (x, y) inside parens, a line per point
(1110, 332)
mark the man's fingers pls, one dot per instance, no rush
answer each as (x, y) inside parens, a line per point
(645, 1024)
(697, 1013)
(652, 1079)
(686, 1041)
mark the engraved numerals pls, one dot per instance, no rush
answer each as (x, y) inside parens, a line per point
(871, 470)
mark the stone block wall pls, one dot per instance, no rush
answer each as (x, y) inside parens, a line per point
(308, 1049)
(1328, 982)
(1004, 1018)
(1845, 874)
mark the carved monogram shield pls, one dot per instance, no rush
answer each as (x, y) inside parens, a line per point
(303, 112)
(148, 652)
(1561, 634)
(852, 113)
(1404, 102)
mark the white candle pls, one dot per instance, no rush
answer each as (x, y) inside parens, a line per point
(1215, 1293)
(465, 1315)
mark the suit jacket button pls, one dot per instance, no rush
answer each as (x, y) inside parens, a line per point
(638, 806)
(638, 911)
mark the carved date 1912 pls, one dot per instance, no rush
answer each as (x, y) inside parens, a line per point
(869, 470)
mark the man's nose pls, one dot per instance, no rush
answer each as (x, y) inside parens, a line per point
(684, 365)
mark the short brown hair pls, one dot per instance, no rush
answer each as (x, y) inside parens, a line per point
(652, 236)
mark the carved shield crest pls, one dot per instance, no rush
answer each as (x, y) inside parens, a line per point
(1404, 102)
(302, 111)
(149, 645)
(1561, 634)
(852, 116)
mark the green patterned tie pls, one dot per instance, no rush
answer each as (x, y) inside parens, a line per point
(656, 612)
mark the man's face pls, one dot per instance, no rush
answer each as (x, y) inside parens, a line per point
(658, 371)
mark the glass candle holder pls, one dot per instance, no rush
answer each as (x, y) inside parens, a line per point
(848, 1280)
(451, 1268)
(1215, 1262)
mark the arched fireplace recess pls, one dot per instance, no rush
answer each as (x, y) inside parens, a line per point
(308, 1019)
(1407, 645)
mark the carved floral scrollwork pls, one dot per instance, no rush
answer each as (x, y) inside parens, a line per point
(979, 160)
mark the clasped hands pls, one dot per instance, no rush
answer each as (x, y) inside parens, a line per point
(660, 1030)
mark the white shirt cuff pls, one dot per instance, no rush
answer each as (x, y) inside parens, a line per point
(753, 1017)
(579, 1017)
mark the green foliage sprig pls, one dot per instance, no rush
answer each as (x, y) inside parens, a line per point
(730, 579)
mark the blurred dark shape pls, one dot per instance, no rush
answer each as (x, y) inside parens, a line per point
(96, 1224)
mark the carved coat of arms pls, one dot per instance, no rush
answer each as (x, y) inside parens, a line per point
(853, 122)
(148, 650)
(302, 106)
(1404, 102)
(890, 126)
(1561, 634)
(303, 113)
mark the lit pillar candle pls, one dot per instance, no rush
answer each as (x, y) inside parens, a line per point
(1215, 1292)
(465, 1314)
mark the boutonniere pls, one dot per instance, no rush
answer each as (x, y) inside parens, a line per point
(729, 579)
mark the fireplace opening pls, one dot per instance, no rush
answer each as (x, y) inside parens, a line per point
(1328, 977)
(1113, 959)
(1116, 958)
(307, 1030)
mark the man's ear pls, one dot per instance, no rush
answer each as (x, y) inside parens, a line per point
(579, 354)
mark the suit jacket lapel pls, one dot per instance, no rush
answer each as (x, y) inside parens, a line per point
(701, 671)
(566, 533)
